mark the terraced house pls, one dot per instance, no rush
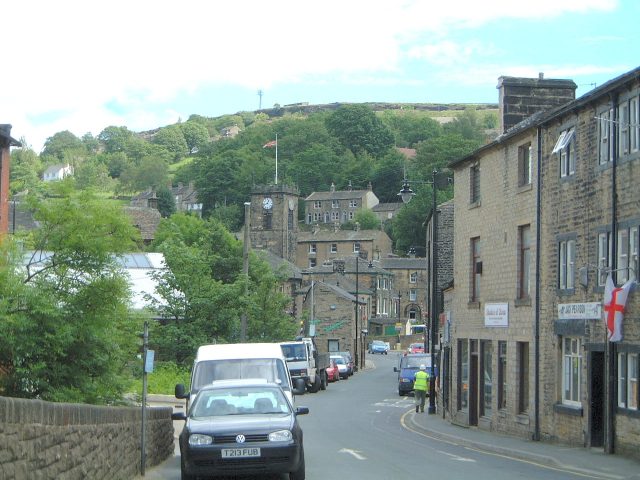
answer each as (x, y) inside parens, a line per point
(544, 214)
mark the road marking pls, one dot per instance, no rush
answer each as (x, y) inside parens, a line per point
(355, 453)
(457, 457)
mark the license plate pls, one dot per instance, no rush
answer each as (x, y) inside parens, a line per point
(240, 452)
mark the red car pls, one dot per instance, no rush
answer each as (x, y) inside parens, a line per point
(333, 374)
(416, 348)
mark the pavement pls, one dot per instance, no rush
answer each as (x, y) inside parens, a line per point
(585, 462)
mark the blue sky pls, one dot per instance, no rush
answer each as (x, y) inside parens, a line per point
(71, 65)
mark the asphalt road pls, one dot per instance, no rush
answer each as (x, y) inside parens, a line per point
(357, 429)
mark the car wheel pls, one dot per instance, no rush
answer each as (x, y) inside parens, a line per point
(183, 473)
(299, 473)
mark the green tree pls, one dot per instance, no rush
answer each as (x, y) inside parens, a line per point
(367, 219)
(93, 174)
(63, 144)
(114, 139)
(66, 333)
(166, 202)
(195, 134)
(172, 139)
(25, 169)
(360, 130)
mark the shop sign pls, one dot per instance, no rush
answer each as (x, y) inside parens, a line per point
(496, 315)
(580, 311)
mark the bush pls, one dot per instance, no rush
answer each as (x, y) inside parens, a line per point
(164, 377)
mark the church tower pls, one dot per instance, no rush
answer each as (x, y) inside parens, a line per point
(274, 220)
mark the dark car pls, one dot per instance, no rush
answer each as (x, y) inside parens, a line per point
(347, 358)
(241, 427)
(409, 365)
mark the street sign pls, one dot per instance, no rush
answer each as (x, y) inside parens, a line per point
(148, 365)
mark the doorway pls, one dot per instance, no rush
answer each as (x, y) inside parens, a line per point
(596, 400)
(473, 382)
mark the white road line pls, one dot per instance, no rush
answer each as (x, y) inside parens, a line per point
(457, 457)
(356, 454)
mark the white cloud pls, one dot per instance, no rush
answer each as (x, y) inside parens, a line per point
(82, 57)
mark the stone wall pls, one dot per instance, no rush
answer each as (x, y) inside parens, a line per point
(44, 440)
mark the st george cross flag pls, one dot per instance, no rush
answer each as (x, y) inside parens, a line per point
(615, 299)
(272, 143)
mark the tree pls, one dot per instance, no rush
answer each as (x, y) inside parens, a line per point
(367, 219)
(166, 202)
(195, 134)
(172, 139)
(66, 333)
(114, 139)
(359, 130)
(63, 144)
(25, 166)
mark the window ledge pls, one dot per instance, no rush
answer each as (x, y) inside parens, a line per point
(527, 187)
(628, 412)
(474, 205)
(473, 305)
(572, 410)
(522, 302)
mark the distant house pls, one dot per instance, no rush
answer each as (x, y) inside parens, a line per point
(146, 220)
(185, 197)
(230, 132)
(337, 206)
(386, 211)
(57, 172)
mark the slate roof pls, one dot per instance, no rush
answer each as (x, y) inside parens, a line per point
(404, 263)
(337, 195)
(276, 263)
(340, 235)
(387, 207)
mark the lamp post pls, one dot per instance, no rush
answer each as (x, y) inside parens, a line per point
(406, 194)
(357, 308)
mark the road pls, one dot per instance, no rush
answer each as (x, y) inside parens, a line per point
(357, 429)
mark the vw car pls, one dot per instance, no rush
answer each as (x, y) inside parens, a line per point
(241, 427)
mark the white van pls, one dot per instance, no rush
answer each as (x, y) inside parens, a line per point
(239, 361)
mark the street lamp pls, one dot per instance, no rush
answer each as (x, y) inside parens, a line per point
(406, 194)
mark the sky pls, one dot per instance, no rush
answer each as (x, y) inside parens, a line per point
(83, 65)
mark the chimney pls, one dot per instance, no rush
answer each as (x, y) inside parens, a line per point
(522, 97)
(333, 187)
(350, 187)
(370, 187)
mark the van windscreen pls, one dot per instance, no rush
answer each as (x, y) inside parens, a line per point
(271, 369)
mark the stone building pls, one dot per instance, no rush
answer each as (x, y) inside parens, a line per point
(337, 206)
(386, 211)
(290, 280)
(495, 227)
(6, 142)
(589, 217)
(323, 246)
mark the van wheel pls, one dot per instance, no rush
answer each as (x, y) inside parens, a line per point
(315, 386)
(325, 380)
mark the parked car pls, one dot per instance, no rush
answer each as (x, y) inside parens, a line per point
(378, 346)
(349, 359)
(409, 365)
(255, 428)
(342, 366)
(333, 374)
(416, 348)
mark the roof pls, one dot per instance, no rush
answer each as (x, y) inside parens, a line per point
(541, 118)
(5, 136)
(341, 292)
(337, 195)
(340, 235)
(239, 350)
(407, 152)
(388, 207)
(403, 263)
(363, 267)
(278, 263)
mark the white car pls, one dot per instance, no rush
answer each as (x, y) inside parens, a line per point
(343, 369)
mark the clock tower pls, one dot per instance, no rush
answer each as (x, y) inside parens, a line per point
(274, 220)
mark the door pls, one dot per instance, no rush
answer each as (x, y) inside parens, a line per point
(596, 400)
(474, 371)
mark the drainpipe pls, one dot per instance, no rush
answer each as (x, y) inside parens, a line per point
(536, 320)
(610, 347)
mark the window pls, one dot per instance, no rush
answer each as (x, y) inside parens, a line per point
(463, 375)
(317, 204)
(487, 374)
(353, 203)
(628, 380)
(523, 378)
(524, 165)
(571, 370)
(566, 264)
(413, 277)
(634, 124)
(524, 267)
(309, 218)
(313, 248)
(627, 253)
(605, 146)
(604, 257)
(474, 184)
(351, 215)
(502, 374)
(565, 149)
(413, 295)
(334, 248)
(476, 269)
(356, 247)
(335, 203)
(290, 220)
(623, 129)
(267, 219)
(312, 262)
(412, 314)
(335, 216)
(317, 216)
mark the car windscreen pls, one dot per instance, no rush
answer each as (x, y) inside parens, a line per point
(415, 362)
(239, 401)
(271, 369)
(338, 360)
(294, 352)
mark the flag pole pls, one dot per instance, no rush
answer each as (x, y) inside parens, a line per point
(276, 159)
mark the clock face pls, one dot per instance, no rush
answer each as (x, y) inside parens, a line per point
(267, 203)
(292, 204)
